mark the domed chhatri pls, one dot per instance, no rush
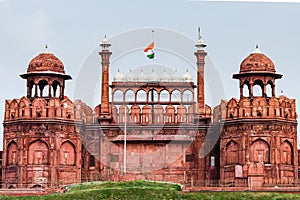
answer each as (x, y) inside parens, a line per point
(153, 76)
(257, 62)
(165, 77)
(176, 76)
(130, 76)
(142, 77)
(119, 76)
(187, 77)
(46, 61)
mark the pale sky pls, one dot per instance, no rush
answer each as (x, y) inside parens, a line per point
(73, 29)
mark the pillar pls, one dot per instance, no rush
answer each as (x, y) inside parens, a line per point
(36, 90)
(200, 56)
(49, 95)
(105, 54)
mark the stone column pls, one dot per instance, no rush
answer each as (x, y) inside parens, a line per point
(105, 54)
(200, 56)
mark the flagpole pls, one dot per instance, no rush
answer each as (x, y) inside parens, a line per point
(154, 55)
(152, 94)
(125, 129)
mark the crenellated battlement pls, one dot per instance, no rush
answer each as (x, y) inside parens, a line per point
(257, 107)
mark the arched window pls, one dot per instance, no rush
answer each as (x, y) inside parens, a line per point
(12, 154)
(67, 154)
(187, 96)
(245, 90)
(55, 89)
(118, 96)
(269, 89)
(164, 96)
(92, 161)
(260, 151)
(258, 88)
(152, 96)
(43, 84)
(286, 153)
(129, 96)
(141, 96)
(31, 87)
(176, 96)
(232, 153)
(38, 153)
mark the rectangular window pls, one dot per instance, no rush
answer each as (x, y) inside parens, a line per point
(92, 161)
(212, 161)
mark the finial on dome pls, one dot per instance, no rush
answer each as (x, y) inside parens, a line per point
(201, 44)
(105, 43)
(257, 49)
(119, 77)
(46, 50)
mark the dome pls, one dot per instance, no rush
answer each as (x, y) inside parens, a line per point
(257, 62)
(118, 76)
(46, 62)
(142, 77)
(165, 77)
(187, 77)
(153, 76)
(129, 76)
(105, 40)
(176, 77)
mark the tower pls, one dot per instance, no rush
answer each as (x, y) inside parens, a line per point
(257, 69)
(41, 144)
(200, 56)
(45, 71)
(258, 144)
(105, 113)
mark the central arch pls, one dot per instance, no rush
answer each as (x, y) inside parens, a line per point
(38, 153)
(260, 151)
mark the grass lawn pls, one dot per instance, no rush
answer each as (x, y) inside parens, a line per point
(147, 190)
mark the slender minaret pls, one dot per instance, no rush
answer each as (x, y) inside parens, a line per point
(105, 54)
(200, 56)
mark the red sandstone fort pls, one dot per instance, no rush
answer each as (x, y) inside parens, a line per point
(50, 141)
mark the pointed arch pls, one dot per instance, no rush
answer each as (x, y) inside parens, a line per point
(270, 89)
(12, 153)
(56, 88)
(187, 96)
(152, 96)
(232, 108)
(141, 96)
(129, 96)
(232, 152)
(67, 153)
(24, 107)
(43, 88)
(14, 109)
(246, 89)
(286, 153)
(164, 96)
(176, 96)
(260, 151)
(258, 88)
(38, 153)
(118, 96)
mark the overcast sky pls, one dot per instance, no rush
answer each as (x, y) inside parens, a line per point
(74, 29)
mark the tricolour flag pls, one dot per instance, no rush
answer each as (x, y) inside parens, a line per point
(149, 53)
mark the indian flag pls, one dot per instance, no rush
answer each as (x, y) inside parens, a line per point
(149, 53)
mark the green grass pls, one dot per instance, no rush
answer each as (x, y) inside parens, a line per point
(147, 190)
